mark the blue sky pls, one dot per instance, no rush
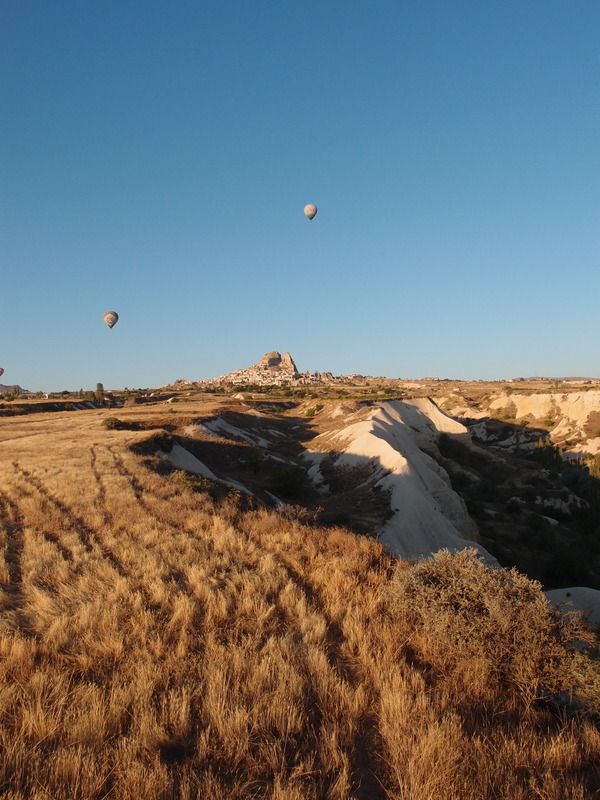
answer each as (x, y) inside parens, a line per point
(155, 158)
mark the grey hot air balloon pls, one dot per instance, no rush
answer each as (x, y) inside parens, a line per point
(310, 211)
(111, 318)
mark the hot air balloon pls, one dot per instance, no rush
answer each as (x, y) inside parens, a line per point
(1, 371)
(110, 318)
(310, 211)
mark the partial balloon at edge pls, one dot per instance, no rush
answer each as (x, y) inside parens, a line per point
(110, 318)
(310, 211)
(1, 371)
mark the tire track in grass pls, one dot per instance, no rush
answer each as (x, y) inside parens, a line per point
(49, 536)
(292, 575)
(100, 500)
(89, 537)
(12, 523)
(161, 610)
(175, 574)
(363, 757)
(138, 492)
(313, 600)
(94, 543)
(334, 634)
(95, 546)
(53, 539)
(136, 486)
(93, 540)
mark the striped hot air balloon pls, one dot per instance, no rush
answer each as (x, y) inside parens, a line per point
(110, 318)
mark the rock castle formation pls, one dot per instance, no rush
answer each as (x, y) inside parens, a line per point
(273, 369)
(284, 364)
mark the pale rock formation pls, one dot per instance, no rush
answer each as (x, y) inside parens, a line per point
(273, 369)
(287, 363)
(578, 598)
(275, 361)
(427, 514)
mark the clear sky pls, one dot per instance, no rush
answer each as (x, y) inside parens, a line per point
(156, 157)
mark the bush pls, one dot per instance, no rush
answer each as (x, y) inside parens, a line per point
(315, 410)
(489, 635)
(113, 424)
(197, 483)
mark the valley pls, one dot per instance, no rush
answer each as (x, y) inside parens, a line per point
(229, 594)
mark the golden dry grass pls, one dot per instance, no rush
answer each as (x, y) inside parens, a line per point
(154, 645)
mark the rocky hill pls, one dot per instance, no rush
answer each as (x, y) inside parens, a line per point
(273, 369)
(12, 389)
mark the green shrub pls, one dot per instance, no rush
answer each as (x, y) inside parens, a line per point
(314, 410)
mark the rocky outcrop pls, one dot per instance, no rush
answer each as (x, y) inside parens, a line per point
(572, 418)
(272, 369)
(287, 363)
(393, 438)
(275, 361)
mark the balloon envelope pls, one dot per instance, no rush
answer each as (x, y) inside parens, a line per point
(310, 210)
(111, 318)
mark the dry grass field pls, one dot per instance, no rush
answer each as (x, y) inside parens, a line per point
(158, 643)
